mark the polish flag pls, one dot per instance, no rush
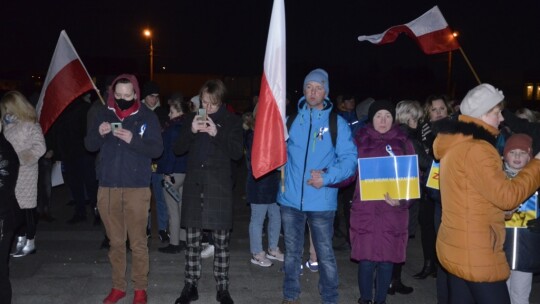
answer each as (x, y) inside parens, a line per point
(269, 150)
(66, 80)
(430, 31)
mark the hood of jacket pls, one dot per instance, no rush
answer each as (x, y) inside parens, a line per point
(451, 133)
(111, 102)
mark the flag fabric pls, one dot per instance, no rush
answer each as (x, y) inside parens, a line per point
(66, 80)
(430, 31)
(396, 175)
(269, 147)
(433, 177)
(525, 212)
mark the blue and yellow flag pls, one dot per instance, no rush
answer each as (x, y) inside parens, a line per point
(396, 175)
(526, 212)
(433, 178)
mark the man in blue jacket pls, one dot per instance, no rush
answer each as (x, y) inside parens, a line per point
(312, 166)
(128, 136)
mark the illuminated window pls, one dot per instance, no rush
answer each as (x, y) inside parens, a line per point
(529, 91)
(537, 92)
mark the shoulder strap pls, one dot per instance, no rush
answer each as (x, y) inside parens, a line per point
(290, 120)
(333, 127)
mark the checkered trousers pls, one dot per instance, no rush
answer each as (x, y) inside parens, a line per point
(221, 257)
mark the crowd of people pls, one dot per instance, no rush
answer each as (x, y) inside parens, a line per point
(479, 234)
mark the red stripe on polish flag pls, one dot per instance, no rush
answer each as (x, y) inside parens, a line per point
(269, 150)
(69, 83)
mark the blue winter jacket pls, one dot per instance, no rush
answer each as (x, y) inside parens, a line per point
(310, 147)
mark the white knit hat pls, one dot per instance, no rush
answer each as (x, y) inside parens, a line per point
(480, 100)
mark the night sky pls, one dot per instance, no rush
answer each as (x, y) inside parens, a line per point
(228, 37)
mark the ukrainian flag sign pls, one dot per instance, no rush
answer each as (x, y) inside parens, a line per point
(433, 178)
(396, 175)
(527, 211)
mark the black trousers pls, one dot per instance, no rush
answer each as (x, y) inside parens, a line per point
(465, 292)
(6, 237)
(427, 227)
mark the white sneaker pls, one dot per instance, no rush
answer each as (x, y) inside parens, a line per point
(207, 252)
(275, 255)
(312, 266)
(260, 259)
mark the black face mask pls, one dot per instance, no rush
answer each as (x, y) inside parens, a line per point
(124, 104)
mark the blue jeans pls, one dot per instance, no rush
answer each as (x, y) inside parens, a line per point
(321, 224)
(365, 280)
(161, 206)
(258, 214)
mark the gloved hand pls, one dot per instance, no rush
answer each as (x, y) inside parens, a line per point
(533, 226)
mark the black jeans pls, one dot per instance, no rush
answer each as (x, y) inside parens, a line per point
(466, 292)
(427, 227)
(44, 186)
(25, 222)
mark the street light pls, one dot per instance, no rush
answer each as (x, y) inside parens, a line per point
(449, 81)
(148, 34)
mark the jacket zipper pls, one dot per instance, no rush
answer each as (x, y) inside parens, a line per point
(305, 161)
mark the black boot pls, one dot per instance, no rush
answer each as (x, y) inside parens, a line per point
(397, 285)
(189, 293)
(224, 297)
(360, 301)
(429, 269)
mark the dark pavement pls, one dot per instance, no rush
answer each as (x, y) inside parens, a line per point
(70, 267)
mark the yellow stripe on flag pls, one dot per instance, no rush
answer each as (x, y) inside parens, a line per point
(406, 188)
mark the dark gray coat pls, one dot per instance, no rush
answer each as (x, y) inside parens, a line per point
(208, 172)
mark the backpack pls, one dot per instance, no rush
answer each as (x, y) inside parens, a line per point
(332, 126)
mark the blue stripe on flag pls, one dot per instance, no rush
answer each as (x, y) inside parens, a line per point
(384, 167)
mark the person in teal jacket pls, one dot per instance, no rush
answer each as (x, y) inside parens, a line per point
(313, 164)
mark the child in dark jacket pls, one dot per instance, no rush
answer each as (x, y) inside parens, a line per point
(521, 246)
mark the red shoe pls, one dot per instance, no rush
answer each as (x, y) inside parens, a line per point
(114, 296)
(140, 297)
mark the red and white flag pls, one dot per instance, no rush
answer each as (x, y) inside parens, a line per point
(430, 31)
(269, 147)
(66, 80)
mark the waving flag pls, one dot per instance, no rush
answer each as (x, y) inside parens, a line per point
(66, 80)
(269, 151)
(430, 31)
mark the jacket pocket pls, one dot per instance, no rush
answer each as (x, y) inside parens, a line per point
(493, 238)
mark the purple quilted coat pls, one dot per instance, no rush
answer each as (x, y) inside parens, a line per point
(378, 230)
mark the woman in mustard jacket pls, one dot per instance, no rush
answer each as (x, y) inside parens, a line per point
(475, 193)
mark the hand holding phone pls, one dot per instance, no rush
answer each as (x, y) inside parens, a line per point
(116, 125)
(202, 114)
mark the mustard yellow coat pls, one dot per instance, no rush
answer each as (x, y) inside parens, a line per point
(475, 192)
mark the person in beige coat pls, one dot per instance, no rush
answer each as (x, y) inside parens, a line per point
(24, 133)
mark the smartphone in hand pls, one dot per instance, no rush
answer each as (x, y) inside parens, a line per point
(116, 125)
(202, 114)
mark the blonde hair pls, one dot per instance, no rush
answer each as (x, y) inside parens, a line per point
(14, 103)
(407, 110)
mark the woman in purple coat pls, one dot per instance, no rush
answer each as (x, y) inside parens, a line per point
(379, 228)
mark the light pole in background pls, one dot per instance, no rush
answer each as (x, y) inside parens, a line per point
(148, 34)
(449, 81)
